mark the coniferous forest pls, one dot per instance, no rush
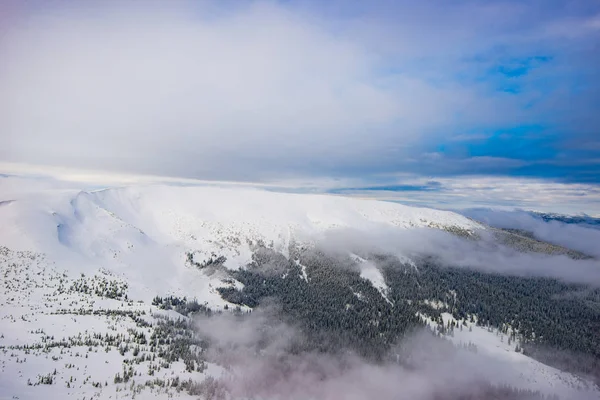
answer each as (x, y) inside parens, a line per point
(554, 322)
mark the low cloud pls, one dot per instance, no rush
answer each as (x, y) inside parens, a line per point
(260, 364)
(582, 237)
(485, 253)
(497, 192)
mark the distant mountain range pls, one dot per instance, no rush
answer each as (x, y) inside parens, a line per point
(589, 221)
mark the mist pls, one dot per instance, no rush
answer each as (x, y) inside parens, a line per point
(481, 252)
(257, 352)
(266, 356)
(582, 237)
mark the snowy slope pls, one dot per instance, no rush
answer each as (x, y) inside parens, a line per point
(230, 219)
(144, 232)
(513, 366)
(59, 339)
(57, 242)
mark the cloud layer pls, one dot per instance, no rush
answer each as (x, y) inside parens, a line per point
(487, 254)
(269, 90)
(574, 236)
(471, 191)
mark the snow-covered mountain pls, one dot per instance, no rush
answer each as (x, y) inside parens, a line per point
(80, 270)
(145, 232)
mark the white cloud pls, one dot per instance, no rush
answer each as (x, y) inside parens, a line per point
(191, 90)
(574, 236)
(485, 255)
(159, 89)
(496, 192)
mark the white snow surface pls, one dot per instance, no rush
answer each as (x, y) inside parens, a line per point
(144, 232)
(47, 329)
(370, 272)
(513, 367)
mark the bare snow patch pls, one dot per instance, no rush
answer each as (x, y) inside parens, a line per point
(370, 272)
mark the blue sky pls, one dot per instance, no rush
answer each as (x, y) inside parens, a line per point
(360, 92)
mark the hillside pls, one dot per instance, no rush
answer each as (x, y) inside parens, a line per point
(144, 233)
(102, 290)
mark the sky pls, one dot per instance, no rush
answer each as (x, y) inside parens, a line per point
(462, 101)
